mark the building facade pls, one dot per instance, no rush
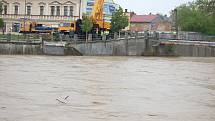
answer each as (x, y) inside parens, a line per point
(49, 12)
(41, 7)
(149, 22)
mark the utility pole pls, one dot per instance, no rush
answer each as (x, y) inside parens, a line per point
(24, 16)
(80, 6)
(176, 20)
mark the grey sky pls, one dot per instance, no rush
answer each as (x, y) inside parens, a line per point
(153, 6)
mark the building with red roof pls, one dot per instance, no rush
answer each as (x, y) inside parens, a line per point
(149, 22)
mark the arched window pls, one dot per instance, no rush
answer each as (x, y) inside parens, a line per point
(5, 9)
(69, 8)
(55, 8)
(16, 8)
(5, 6)
(28, 8)
(42, 8)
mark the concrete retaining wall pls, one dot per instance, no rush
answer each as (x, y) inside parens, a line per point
(20, 49)
(130, 47)
(60, 50)
(53, 50)
(186, 50)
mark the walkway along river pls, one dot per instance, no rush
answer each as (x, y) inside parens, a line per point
(47, 88)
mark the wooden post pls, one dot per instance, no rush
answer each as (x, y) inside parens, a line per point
(126, 43)
(90, 37)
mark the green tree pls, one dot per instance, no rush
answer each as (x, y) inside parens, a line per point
(1, 8)
(86, 25)
(191, 17)
(207, 6)
(119, 20)
(2, 25)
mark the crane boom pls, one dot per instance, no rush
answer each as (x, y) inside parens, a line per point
(97, 17)
(97, 13)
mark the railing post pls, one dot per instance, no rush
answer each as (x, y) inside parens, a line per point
(75, 38)
(136, 35)
(115, 36)
(9, 37)
(90, 37)
(146, 36)
(126, 43)
(103, 37)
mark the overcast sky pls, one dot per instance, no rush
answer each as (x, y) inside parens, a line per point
(150, 6)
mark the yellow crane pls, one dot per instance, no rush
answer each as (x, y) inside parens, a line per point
(97, 16)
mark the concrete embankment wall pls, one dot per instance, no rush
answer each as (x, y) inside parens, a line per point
(186, 50)
(130, 47)
(60, 50)
(123, 47)
(20, 49)
(143, 47)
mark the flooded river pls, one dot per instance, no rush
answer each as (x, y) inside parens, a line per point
(47, 88)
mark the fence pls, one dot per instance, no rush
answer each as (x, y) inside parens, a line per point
(31, 38)
(38, 38)
(190, 36)
(82, 38)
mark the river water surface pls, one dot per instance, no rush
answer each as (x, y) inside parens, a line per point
(47, 88)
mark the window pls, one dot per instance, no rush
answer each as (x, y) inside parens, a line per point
(15, 27)
(65, 10)
(29, 10)
(16, 9)
(58, 11)
(66, 24)
(71, 11)
(5, 9)
(72, 25)
(52, 10)
(41, 10)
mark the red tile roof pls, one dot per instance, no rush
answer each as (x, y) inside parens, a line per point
(143, 18)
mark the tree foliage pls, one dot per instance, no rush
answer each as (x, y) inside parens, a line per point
(87, 24)
(196, 16)
(2, 25)
(207, 6)
(1, 7)
(119, 20)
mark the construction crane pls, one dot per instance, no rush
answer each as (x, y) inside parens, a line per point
(97, 15)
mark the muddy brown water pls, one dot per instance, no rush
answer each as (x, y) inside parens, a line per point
(47, 88)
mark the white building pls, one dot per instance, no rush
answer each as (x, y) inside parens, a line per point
(49, 12)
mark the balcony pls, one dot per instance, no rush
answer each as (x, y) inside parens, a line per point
(21, 17)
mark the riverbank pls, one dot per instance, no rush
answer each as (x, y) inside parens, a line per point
(120, 47)
(38, 88)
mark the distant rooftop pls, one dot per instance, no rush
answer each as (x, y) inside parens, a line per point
(143, 18)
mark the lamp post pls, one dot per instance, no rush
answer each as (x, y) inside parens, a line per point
(176, 20)
(80, 9)
(24, 16)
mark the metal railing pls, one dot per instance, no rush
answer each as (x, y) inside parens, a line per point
(24, 38)
(93, 38)
(38, 17)
(189, 36)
